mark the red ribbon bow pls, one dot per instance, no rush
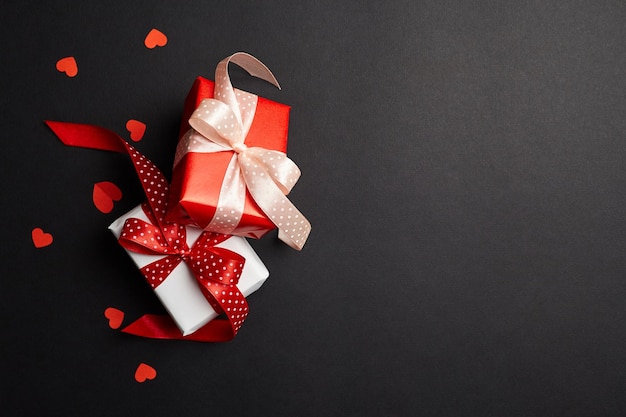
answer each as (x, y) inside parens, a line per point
(209, 264)
(216, 269)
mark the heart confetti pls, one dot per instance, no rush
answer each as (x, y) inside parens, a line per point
(40, 238)
(144, 372)
(155, 38)
(68, 66)
(104, 194)
(136, 129)
(115, 316)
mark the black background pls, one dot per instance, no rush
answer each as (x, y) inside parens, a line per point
(463, 169)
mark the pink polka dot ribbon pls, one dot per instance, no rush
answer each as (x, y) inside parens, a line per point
(216, 269)
(221, 124)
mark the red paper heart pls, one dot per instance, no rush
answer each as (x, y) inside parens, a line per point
(41, 239)
(155, 38)
(115, 316)
(136, 129)
(144, 372)
(68, 66)
(104, 194)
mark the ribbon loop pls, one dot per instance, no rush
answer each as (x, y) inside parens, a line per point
(216, 120)
(283, 171)
(143, 237)
(211, 263)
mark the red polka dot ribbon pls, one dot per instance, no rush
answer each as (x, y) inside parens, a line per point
(207, 262)
(216, 269)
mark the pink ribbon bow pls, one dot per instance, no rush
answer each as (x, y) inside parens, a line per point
(221, 124)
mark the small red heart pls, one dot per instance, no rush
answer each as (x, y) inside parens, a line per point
(68, 66)
(104, 194)
(115, 316)
(144, 372)
(155, 38)
(136, 129)
(40, 238)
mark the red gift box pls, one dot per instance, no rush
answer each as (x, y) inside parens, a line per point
(201, 180)
(198, 177)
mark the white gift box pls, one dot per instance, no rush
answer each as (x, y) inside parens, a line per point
(180, 292)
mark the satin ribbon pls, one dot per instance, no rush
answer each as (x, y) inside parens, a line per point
(221, 124)
(218, 284)
(208, 263)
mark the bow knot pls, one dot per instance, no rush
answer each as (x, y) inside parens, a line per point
(239, 147)
(184, 254)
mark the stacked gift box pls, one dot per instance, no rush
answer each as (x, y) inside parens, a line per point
(230, 181)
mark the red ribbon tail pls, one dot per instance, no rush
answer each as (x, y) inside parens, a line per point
(87, 136)
(94, 137)
(155, 326)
